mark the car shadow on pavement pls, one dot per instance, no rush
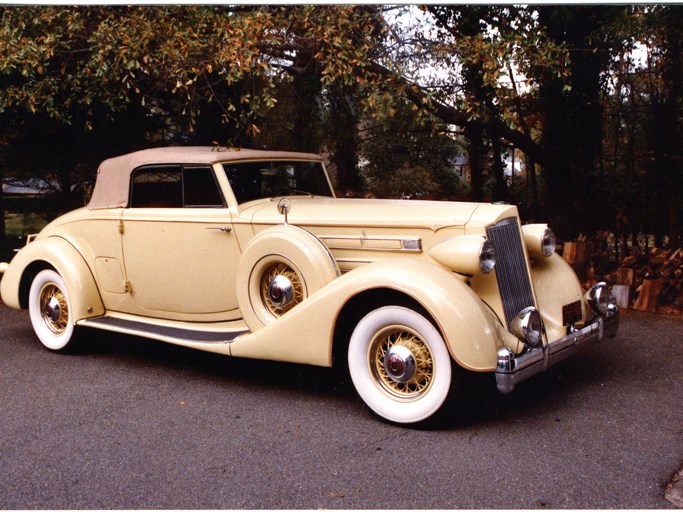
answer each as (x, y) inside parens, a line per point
(477, 400)
(132, 350)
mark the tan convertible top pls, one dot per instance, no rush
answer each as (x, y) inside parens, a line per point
(113, 176)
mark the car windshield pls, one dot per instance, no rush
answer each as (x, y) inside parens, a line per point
(272, 178)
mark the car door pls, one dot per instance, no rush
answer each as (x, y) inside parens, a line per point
(180, 252)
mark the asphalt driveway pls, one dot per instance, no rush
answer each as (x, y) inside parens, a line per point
(138, 424)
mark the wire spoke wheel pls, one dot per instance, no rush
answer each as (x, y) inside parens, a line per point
(280, 268)
(281, 288)
(399, 364)
(389, 368)
(55, 308)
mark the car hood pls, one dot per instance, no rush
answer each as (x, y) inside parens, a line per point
(368, 213)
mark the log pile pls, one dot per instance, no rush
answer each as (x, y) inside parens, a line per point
(652, 280)
(577, 255)
(647, 281)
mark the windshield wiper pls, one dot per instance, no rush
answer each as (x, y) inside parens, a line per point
(288, 191)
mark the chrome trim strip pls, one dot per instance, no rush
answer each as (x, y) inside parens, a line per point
(511, 369)
(355, 260)
(366, 242)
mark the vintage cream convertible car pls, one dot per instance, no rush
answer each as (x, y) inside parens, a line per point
(248, 253)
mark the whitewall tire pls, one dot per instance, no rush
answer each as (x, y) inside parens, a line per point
(50, 311)
(399, 364)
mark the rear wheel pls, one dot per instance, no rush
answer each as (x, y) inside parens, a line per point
(50, 310)
(399, 364)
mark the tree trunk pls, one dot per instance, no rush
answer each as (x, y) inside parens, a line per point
(344, 142)
(306, 123)
(572, 119)
(475, 140)
(500, 190)
(671, 131)
(560, 186)
(532, 179)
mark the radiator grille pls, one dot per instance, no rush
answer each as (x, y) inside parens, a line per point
(511, 269)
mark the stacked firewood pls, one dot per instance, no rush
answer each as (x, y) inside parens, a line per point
(648, 281)
(644, 280)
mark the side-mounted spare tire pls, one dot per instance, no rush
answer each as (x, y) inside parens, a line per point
(281, 267)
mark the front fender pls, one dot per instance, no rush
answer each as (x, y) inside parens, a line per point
(556, 285)
(59, 254)
(306, 333)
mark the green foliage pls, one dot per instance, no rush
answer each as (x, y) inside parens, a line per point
(643, 145)
(22, 224)
(79, 84)
(63, 61)
(490, 49)
(85, 83)
(409, 158)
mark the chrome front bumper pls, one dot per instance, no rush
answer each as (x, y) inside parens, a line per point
(512, 369)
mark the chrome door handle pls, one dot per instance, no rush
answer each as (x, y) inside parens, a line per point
(224, 229)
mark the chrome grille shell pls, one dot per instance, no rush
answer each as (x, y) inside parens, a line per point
(511, 269)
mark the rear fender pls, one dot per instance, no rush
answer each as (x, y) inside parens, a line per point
(56, 253)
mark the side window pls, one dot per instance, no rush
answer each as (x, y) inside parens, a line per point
(172, 186)
(157, 187)
(200, 188)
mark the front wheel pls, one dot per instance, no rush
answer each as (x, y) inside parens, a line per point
(399, 364)
(50, 310)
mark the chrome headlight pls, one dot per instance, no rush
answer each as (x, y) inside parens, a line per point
(487, 257)
(528, 327)
(540, 240)
(598, 297)
(548, 242)
(465, 254)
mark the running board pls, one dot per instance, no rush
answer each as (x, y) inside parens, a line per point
(161, 332)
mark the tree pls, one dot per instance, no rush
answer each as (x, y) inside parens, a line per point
(642, 112)
(411, 158)
(187, 74)
(666, 24)
(572, 114)
(563, 54)
(536, 79)
(474, 23)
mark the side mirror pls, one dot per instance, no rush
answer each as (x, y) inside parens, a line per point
(283, 207)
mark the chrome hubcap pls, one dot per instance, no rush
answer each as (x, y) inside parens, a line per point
(52, 309)
(280, 291)
(399, 364)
